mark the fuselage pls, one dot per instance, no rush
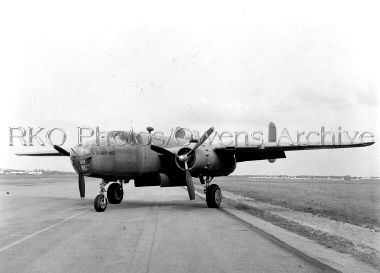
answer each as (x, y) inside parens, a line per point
(115, 159)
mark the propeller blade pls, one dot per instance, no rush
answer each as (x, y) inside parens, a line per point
(190, 183)
(203, 138)
(61, 150)
(82, 187)
(161, 150)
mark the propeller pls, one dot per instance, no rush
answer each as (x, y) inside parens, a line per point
(82, 185)
(161, 150)
(81, 182)
(61, 150)
(203, 138)
(185, 158)
(189, 183)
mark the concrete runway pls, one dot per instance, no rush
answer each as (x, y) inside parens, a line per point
(46, 227)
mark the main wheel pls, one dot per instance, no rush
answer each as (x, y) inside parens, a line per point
(115, 193)
(100, 203)
(213, 196)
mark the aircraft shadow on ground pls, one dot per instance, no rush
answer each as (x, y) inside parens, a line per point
(173, 204)
(184, 205)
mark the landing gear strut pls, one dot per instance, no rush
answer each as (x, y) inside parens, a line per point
(213, 192)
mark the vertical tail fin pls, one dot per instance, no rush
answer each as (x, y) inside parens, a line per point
(272, 136)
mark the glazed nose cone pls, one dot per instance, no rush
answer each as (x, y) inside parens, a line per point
(81, 159)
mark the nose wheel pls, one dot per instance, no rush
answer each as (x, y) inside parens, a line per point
(100, 202)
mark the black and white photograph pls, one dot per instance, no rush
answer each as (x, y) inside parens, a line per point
(189, 136)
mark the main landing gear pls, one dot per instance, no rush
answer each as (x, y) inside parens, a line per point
(213, 192)
(115, 195)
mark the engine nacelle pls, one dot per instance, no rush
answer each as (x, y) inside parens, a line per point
(153, 179)
(158, 179)
(206, 162)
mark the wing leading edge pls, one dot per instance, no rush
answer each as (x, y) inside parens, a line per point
(42, 154)
(274, 151)
(59, 152)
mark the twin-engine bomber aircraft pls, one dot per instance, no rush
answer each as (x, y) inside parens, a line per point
(170, 166)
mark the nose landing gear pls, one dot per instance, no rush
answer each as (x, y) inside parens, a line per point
(100, 202)
(115, 195)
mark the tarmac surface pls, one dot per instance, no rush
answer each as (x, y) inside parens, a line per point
(46, 227)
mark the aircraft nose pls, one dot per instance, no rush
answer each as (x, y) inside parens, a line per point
(81, 151)
(81, 159)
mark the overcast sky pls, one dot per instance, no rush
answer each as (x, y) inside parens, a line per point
(234, 66)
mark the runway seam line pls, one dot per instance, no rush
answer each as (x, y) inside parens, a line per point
(27, 237)
(154, 237)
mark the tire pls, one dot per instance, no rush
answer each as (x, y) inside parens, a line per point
(115, 193)
(100, 203)
(213, 196)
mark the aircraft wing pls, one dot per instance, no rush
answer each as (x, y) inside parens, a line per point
(58, 152)
(273, 151)
(42, 154)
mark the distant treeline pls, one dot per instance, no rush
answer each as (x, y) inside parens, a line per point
(33, 172)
